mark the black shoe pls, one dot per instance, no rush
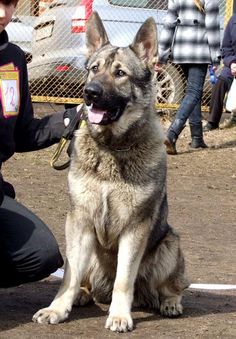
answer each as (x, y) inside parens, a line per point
(197, 136)
(198, 143)
(170, 146)
(210, 126)
(229, 123)
(172, 135)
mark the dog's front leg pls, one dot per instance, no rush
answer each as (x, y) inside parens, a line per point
(130, 252)
(80, 242)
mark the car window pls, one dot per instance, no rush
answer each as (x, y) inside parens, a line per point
(151, 4)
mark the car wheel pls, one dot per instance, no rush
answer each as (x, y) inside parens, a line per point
(170, 85)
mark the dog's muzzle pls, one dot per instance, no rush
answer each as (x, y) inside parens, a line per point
(102, 108)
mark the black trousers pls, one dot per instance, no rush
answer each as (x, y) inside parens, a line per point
(219, 91)
(28, 250)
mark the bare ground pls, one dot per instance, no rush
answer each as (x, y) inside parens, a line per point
(202, 204)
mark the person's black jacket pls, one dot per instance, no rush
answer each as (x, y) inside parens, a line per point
(20, 131)
(229, 47)
(23, 132)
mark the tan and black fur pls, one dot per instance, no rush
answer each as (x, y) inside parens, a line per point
(120, 248)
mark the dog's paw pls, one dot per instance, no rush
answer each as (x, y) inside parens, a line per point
(119, 323)
(84, 297)
(171, 307)
(49, 316)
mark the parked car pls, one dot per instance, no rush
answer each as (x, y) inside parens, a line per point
(57, 68)
(21, 34)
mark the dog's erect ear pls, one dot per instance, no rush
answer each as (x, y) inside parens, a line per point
(96, 36)
(145, 42)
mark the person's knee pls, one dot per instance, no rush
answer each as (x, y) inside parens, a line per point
(29, 251)
(32, 264)
(194, 93)
(47, 259)
(53, 258)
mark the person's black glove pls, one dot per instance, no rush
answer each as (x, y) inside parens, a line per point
(71, 121)
(1, 189)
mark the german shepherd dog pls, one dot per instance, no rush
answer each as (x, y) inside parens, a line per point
(120, 248)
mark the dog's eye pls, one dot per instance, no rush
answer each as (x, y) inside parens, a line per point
(120, 73)
(94, 68)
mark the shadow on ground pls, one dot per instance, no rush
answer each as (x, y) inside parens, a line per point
(19, 304)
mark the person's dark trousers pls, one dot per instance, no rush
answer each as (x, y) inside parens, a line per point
(28, 250)
(190, 107)
(217, 100)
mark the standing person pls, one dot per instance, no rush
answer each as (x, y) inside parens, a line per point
(225, 79)
(190, 38)
(28, 250)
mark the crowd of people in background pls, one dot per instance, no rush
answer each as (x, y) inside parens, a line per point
(191, 39)
(224, 81)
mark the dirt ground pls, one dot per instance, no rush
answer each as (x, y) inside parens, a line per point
(202, 204)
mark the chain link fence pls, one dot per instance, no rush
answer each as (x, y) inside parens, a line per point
(52, 34)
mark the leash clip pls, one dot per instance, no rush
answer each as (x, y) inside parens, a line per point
(66, 136)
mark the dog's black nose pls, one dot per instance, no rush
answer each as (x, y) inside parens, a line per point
(93, 92)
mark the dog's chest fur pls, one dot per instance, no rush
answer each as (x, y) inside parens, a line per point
(109, 190)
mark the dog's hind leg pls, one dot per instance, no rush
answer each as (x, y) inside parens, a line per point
(171, 289)
(80, 242)
(163, 270)
(84, 297)
(145, 295)
(170, 305)
(130, 252)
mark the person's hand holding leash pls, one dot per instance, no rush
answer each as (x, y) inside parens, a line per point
(72, 116)
(72, 119)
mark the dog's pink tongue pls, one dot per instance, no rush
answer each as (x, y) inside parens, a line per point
(95, 115)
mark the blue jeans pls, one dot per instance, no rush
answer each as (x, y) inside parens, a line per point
(190, 107)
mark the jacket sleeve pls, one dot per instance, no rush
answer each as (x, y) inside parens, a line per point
(32, 133)
(168, 32)
(212, 23)
(228, 52)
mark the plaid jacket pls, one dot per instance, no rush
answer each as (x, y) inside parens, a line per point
(189, 36)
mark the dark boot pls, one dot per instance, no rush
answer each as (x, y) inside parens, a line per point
(210, 126)
(197, 136)
(229, 123)
(172, 135)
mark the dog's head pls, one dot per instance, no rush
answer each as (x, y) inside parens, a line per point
(119, 80)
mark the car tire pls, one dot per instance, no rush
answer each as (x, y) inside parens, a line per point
(170, 85)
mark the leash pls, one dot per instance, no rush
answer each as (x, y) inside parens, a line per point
(67, 135)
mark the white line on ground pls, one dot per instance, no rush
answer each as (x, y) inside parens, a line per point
(60, 272)
(212, 287)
